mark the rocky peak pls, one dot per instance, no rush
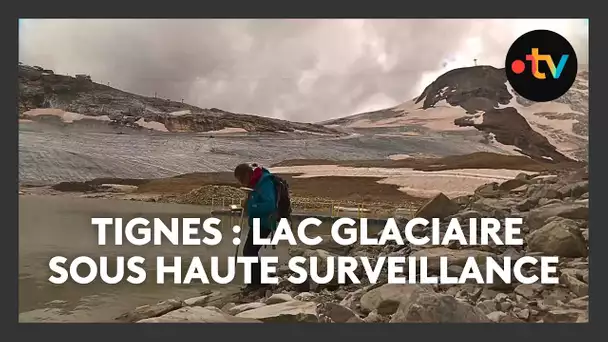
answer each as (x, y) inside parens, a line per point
(478, 88)
(510, 128)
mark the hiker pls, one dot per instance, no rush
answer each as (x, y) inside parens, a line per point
(262, 203)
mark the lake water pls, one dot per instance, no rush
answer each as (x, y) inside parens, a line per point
(52, 225)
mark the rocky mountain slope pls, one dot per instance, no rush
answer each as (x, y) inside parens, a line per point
(481, 98)
(42, 93)
(555, 209)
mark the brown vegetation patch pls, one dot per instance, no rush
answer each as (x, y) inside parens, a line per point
(478, 160)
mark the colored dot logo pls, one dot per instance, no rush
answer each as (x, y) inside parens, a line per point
(518, 66)
(541, 65)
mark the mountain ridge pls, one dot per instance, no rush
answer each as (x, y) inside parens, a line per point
(474, 98)
(42, 93)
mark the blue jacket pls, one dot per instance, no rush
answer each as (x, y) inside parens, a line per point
(262, 203)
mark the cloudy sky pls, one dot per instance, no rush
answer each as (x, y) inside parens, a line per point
(303, 70)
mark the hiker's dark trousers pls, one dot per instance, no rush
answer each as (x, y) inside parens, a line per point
(250, 250)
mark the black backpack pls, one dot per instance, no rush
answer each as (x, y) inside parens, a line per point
(283, 199)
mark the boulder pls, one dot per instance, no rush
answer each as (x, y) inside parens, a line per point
(564, 316)
(489, 190)
(465, 215)
(278, 298)
(494, 207)
(337, 313)
(578, 273)
(560, 238)
(235, 310)
(386, 299)
(496, 316)
(375, 317)
(292, 311)
(581, 303)
(523, 314)
(526, 204)
(439, 206)
(430, 307)
(555, 295)
(202, 300)
(529, 291)
(197, 314)
(549, 191)
(512, 184)
(462, 201)
(574, 190)
(150, 311)
(579, 288)
(539, 216)
(351, 300)
(305, 296)
(487, 306)
(544, 202)
(226, 308)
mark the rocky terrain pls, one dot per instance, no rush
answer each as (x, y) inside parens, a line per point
(379, 186)
(480, 97)
(42, 93)
(555, 209)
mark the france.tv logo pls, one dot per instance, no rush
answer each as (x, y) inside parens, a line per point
(541, 65)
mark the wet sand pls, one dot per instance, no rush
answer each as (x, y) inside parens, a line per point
(56, 225)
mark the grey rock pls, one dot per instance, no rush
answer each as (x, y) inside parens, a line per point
(387, 298)
(201, 300)
(545, 201)
(526, 204)
(278, 298)
(375, 317)
(581, 303)
(501, 297)
(487, 306)
(505, 306)
(539, 216)
(465, 215)
(575, 190)
(305, 296)
(523, 314)
(578, 287)
(439, 206)
(431, 307)
(338, 313)
(455, 271)
(496, 316)
(292, 311)
(244, 307)
(196, 314)
(561, 238)
(529, 291)
(563, 316)
(150, 311)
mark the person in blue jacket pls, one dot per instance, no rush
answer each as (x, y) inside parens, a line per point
(261, 203)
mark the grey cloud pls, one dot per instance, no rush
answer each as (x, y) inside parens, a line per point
(303, 70)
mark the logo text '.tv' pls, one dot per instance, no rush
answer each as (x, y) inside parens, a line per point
(518, 66)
